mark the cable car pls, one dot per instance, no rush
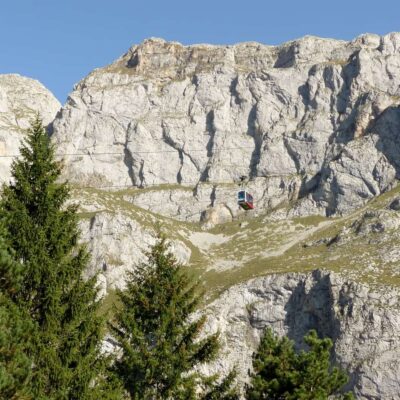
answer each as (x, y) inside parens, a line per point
(245, 200)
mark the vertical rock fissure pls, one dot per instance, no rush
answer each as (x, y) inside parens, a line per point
(141, 174)
(312, 307)
(179, 174)
(181, 153)
(345, 129)
(234, 92)
(210, 130)
(257, 138)
(213, 195)
(128, 159)
(255, 156)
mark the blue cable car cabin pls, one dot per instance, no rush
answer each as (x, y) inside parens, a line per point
(245, 200)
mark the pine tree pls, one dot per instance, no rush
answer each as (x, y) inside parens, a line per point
(282, 374)
(43, 233)
(159, 342)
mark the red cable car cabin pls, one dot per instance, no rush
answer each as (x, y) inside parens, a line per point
(245, 200)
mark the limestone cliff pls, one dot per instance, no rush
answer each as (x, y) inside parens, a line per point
(362, 322)
(313, 119)
(20, 100)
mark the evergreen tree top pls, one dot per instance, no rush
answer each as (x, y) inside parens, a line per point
(282, 374)
(160, 342)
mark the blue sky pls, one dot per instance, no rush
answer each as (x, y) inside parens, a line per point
(59, 42)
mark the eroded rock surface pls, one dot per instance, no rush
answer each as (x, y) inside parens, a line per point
(312, 126)
(20, 100)
(118, 244)
(362, 322)
(316, 119)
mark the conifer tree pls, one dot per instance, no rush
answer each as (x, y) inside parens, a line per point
(160, 344)
(282, 374)
(43, 233)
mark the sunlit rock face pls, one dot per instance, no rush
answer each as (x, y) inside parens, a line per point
(21, 99)
(363, 324)
(313, 119)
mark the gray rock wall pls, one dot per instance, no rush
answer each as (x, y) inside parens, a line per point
(20, 100)
(362, 322)
(319, 114)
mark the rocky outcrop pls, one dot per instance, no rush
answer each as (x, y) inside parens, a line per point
(20, 100)
(313, 119)
(363, 323)
(118, 244)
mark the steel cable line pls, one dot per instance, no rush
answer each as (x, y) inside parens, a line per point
(139, 187)
(183, 184)
(217, 164)
(137, 152)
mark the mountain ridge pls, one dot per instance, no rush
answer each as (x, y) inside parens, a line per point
(288, 123)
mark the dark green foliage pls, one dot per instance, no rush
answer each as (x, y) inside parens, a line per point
(212, 389)
(281, 373)
(15, 333)
(15, 365)
(10, 269)
(43, 234)
(160, 344)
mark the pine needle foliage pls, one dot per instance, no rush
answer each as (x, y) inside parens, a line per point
(213, 388)
(15, 333)
(159, 342)
(282, 374)
(15, 364)
(10, 269)
(42, 231)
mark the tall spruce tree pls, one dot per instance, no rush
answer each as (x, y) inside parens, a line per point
(282, 374)
(43, 233)
(159, 342)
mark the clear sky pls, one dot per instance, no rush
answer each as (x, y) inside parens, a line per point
(60, 41)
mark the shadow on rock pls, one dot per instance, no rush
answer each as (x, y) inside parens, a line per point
(311, 306)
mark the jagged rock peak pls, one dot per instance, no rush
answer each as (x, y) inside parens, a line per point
(159, 58)
(21, 98)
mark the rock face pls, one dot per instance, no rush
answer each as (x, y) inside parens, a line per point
(117, 244)
(363, 323)
(20, 100)
(314, 119)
